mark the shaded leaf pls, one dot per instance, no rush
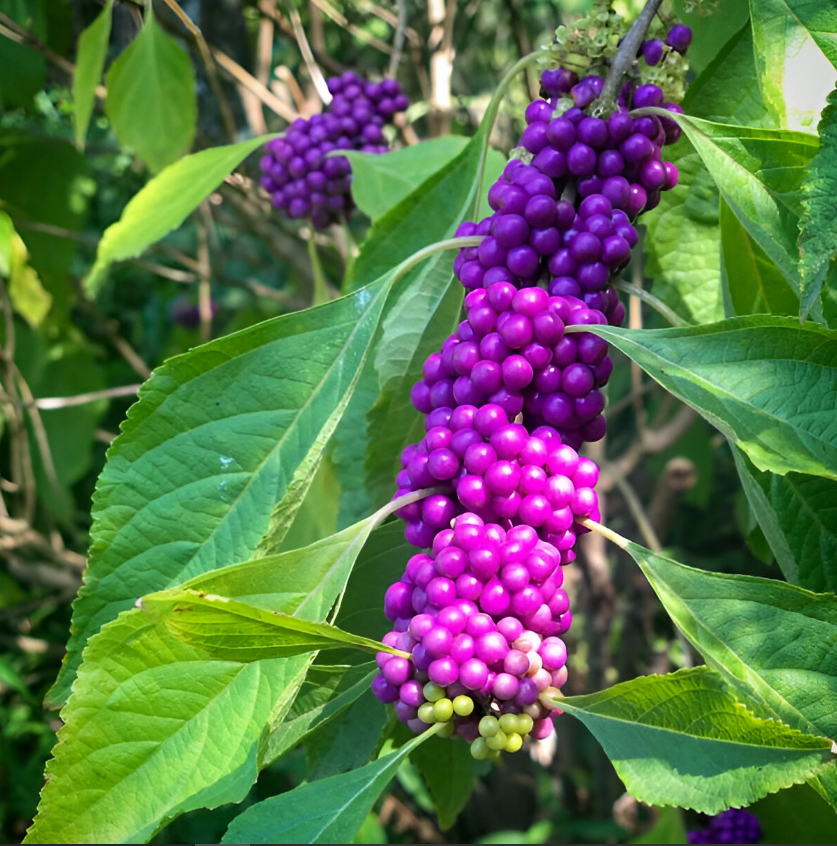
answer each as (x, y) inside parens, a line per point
(798, 515)
(151, 100)
(773, 641)
(769, 384)
(330, 810)
(28, 296)
(818, 224)
(682, 739)
(164, 203)
(90, 62)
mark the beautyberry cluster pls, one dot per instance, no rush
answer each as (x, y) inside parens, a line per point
(509, 400)
(733, 826)
(297, 172)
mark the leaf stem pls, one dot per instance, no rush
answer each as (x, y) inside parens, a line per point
(658, 305)
(626, 54)
(613, 537)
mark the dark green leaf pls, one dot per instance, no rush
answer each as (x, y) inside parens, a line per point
(151, 101)
(90, 62)
(669, 828)
(213, 444)
(798, 515)
(818, 225)
(754, 284)
(760, 173)
(450, 773)
(683, 740)
(327, 811)
(794, 72)
(773, 641)
(769, 384)
(381, 182)
(785, 815)
(164, 203)
(24, 69)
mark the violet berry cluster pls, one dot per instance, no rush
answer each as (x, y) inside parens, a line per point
(509, 400)
(300, 176)
(733, 826)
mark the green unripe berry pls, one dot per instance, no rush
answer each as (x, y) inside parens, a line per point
(443, 710)
(433, 693)
(509, 723)
(524, 723)
(498, 741)
(493, 755)
(447, 729)
(463, 705)
(479, 749)
(514, 742)
(426, 714)
(489, 726)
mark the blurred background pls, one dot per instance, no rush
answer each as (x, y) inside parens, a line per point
(70, 367)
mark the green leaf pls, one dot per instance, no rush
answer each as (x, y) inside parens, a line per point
(24, 69)
(164, 203)
(151, 100)
(210, 448)
(326, 693)
(818, 224)
(798, 515)
(7, 233)
(450, 773)
(754, 284)
(760, 174)
(327, 811)
(711, 26)
(26, 292)
(381, 182)
(229, 630)
(793, 814)
(141, 693)
(772, 641)
(90, 62)
(682, 739)
(769, 384)
(669, 828)
(794, 72)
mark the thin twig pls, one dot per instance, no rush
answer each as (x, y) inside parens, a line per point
(209, 64)
(250, 83)
(342, 20)
(110, 328)
(626, 54)
(203, 219)
(314, 71)
(51, 403)
(398, 38)
(658, 305)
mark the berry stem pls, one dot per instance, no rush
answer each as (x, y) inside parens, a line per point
(613, 537)
(414, 496)
(626, 54)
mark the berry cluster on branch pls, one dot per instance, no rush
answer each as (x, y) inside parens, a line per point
(300, 176)
(510, 399)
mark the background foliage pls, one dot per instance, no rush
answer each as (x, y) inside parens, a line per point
(104, 282)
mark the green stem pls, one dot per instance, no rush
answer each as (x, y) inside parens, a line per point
(658, 305)
(491, 116)
(321, 294)
(612, 536)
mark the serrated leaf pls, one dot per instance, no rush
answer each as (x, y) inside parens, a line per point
(767, 383)
(818, 223)
(794, 73)
(754, 284)
(210, 448)
(90, 62)
(229, 630)
(164, 203)
(683, 740)
(381, 181)
(151, 98)
(760, 173)
(330, 810)
(773, 641)
(154, 727)
(798, 515)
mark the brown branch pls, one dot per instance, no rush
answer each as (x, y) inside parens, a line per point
(398, 38)
(314, 71)
(51, 403)
(204, 222)
(342, 20)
